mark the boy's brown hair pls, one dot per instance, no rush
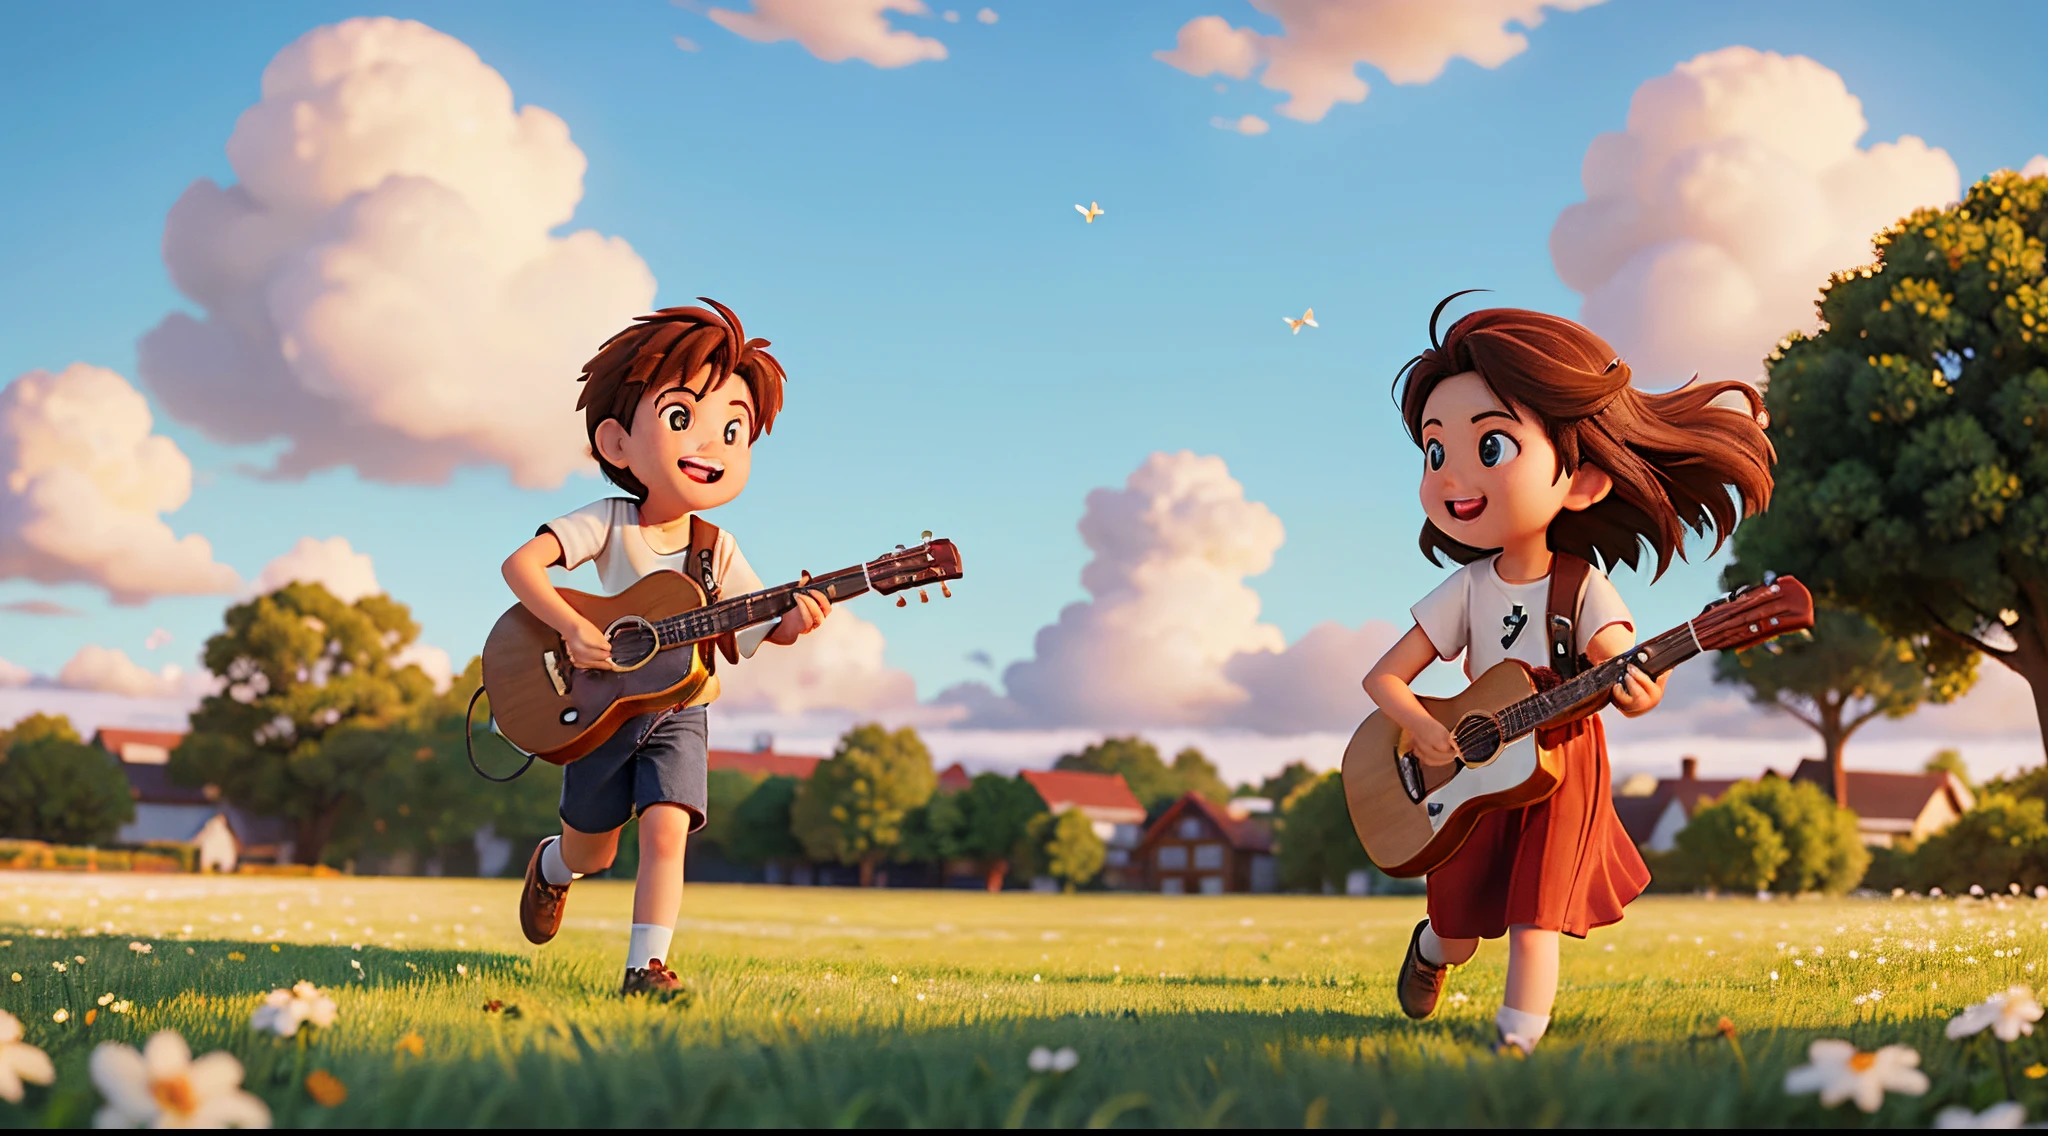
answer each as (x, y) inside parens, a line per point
(1673, 457)
(667, 347)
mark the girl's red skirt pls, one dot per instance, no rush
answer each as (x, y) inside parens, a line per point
(1563, 864)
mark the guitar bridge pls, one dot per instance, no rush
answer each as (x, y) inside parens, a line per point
(554, 670)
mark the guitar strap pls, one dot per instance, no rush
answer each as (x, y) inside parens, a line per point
(1568, 575)
(703, 561)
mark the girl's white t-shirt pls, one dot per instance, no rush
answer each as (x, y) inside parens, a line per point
(609, 532)
(1477, 613)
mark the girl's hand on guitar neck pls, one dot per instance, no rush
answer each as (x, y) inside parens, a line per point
(1637, 693)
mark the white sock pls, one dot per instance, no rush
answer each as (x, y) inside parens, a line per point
(553, 868)
(650, 941)
(1432, 948)
(1521, 1028)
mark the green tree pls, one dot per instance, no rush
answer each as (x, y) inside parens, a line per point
(851, 810)
(1071, 852)
(1318, 847)
(1817, 846)
(1282, 785)
(1950, 761)
(55, 787)
(1137, 760)
(1197, 774)
(761, 831)
(2004, 840)
(301, 728)
(1732, 846)
(934, 833)
(1911, 465)
(725, 791)
(1848, 674)
(997, 814)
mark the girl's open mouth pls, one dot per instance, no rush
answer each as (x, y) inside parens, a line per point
(1466, 508)
(704, 471)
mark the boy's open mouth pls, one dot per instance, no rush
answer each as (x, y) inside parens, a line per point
(704, 471)
(1466, 508)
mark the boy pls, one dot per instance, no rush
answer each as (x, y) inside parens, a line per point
(669, 424)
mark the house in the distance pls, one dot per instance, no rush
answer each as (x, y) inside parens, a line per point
(1198, 847)
(169, 813)
(1894, 807)
(954, 778)
(1112, 810)
(764, 762)
(1654, 817)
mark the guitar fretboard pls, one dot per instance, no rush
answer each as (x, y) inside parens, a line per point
(755, 608)
(1654, 656)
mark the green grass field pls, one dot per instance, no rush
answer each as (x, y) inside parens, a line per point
(902, 1008)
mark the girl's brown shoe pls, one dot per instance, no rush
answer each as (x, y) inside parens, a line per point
(1421, 982)
(654, 978)
(540, 902)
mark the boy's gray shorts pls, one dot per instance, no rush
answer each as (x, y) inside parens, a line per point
(656, 758)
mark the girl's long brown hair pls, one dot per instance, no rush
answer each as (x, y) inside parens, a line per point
(1674, 457)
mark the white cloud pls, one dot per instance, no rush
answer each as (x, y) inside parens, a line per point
(1248, 124)
(839, 666)
(14, 674)
(1712, 221)
(331, 563)
(987, 16)
(381, 287)
(1171, 634)
(2037, 166)
(83, 487)
(1315, 57)
(836, 30)
(108, 671)
(950, 16)
(685, 43)
(156, 639)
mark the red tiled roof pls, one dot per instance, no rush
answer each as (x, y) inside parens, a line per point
(1246, 834)
(954, 778)
(1884, 796)
(112, 738)
(765, 762)
(1694, 793)
(1084, 790)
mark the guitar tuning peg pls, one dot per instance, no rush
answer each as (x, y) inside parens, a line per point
(803, 579)
(899, 548)
(923, 596)
(927, 534)
(902, 602)
(1770, 577)
(946, 591)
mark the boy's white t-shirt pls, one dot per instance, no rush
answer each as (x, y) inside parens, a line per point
(609, 532)
(1488, 619)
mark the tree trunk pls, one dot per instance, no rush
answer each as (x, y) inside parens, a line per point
(311, 835)
(867, 871)
(997, 870)
(2029, 658)
(1832, 739)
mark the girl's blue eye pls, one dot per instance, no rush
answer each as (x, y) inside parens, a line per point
(1433, 451)
(1497, 448)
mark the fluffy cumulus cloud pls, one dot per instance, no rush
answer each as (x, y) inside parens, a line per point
(837, 30)
(1170, 635)
(1243, 124)
(1315, 57)
(84, 484)
(1711, 221)
(381, 286)
(14, 674)
(2037, 166)
(108, 671)
(330, 563)
(837, 667)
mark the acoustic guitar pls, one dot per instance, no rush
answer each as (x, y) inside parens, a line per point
(1412, 817)
(662, 635)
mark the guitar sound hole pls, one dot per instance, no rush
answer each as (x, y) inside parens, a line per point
(1478, 738)
(632, 643)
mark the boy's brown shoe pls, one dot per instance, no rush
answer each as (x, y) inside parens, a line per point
(540, 902)
(654, 978)
(1421, 982)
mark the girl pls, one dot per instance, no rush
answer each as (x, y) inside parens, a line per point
(1538, 456)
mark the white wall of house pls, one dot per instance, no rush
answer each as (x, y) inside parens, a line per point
(218, 848)
(1664, 837)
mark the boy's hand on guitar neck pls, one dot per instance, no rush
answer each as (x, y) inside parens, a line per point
(810, 611)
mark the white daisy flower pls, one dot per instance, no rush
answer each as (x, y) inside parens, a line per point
(282, 1012)
(20, 1061)
(1043, 1060)
(2010, 1114)
(163, 1087)
(2007, 1015)
(1838, 1071)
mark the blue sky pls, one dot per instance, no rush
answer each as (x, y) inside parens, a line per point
(965, 355)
